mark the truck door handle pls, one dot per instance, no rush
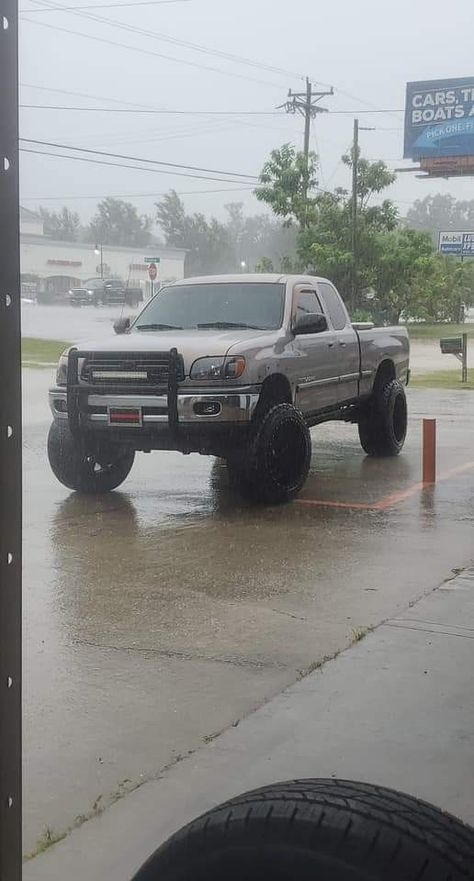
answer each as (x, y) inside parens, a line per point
(343, 345)
(330, 345)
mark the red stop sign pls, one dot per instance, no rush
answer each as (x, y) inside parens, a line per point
(152, 271)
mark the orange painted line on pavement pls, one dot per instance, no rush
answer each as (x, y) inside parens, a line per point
(396, 498)
(391, 500)
(459, 469)
(322, 503)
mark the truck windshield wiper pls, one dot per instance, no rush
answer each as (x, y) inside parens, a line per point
(224, 325)
(157, 327)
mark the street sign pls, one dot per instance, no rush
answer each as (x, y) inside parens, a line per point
(152, 271)
(152, 259)
(460, 243)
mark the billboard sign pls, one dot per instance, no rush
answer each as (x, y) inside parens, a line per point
(459, 243)
(439, 118)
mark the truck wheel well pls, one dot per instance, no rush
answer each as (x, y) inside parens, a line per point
(385, 373)
(275, 390)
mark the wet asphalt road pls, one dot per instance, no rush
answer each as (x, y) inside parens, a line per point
(159, 615)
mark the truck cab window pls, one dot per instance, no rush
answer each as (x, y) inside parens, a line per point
(334, 306)
(306, 302)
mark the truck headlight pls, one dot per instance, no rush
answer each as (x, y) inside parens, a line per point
(61, 372)
(218, 368)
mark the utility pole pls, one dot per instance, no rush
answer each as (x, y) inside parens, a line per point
(306, 104)
(355, 181)
(355, 164)
(307, 120)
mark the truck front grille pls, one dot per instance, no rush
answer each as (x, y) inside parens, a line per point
(133, 371)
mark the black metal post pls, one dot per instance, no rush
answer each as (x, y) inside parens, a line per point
(464, 358)
(10, 454)
(173, 390)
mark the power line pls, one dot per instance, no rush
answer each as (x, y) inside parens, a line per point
(351, 112)
(135, 158)
(133, 195)
(151, 52)
(195, 47)
(153, 112)
(107, 5)
(169, 112)
(86, 95)
(123, 165)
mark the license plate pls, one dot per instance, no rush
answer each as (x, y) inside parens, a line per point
(125, 416)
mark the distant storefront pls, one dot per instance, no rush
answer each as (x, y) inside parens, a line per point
(56, 266)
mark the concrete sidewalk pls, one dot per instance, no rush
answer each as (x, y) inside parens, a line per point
(397, 708)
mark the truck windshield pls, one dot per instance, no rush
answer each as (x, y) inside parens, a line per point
(255, 305)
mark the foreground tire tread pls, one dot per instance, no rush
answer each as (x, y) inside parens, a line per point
(69, 464)
(252, 473)
(347, 830)
(376, 423)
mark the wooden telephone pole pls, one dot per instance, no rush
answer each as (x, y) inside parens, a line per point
(355, 171)
(306, 104)
(355, 181)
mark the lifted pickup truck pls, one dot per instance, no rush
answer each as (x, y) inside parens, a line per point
(238, 367)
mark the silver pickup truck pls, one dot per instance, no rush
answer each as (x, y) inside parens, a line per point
(235, 366)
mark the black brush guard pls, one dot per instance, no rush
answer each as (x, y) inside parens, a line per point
(78, 392)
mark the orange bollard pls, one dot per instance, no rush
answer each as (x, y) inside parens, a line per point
(429, 451)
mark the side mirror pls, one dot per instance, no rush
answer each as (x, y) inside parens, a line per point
(310, 322)
(122, 325)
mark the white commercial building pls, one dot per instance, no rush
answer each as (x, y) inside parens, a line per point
(57, 266)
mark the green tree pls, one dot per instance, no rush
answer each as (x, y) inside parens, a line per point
(258, 236)
(411, 281)
(372, 178)
(325, 247)
(396, 265)
(207, 242)
(171, 217)
(264, 265)
(441, 212)
(289, 185)
(214, 246)
(404, 275)
(118, 223)
(62, 225)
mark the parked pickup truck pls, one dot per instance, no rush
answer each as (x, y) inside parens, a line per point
(105, 292)
(236, 366)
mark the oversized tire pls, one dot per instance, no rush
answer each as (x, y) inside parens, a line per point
(383, 421)
(275, 465)
(98, 472)
(318, 830)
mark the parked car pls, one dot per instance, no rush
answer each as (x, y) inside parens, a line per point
(238, 367)
(105, 292)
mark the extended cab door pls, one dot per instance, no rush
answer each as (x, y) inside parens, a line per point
(347, 342)
(315, 363)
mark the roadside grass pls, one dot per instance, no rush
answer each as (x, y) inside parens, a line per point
(41, 353)
(436, 331)
(359, 633)
(47, 839)
(443, 379)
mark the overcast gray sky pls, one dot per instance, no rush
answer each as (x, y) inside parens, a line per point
(367, 50)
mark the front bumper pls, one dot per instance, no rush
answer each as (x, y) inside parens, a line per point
(224, 407)
(141, 400)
